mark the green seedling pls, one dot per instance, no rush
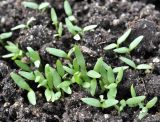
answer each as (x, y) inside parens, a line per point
(24, 85)
(34, 57)
(76, 31)
(120, 40)
(24, 26)
(148, 106)
(15, 52)
(68, 11)
(102, 103)
(22, 65)
(133, 65)
(4, 36)
(32, 5)
(58, 25)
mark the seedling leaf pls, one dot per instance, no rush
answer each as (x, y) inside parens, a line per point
(128, 61)
(67, 8)
(144, 66)
(89, 27)
(31, 97)
(92, 102)
(93, 74)
(152, 102)
(135, 43)
(111, 46)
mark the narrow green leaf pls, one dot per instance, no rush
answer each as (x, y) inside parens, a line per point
(54, 17)
(27, 75)
(5, 35)
(117, 69)
(21, 26)
(31, 5)
(56, 79)
(89, 27)
(110, 75)
(70, 26)
(135, 43)
(48, 94)
(86, 85)
(93, 87)
(152, 102)
(92, 102)
(31, 97)
(56, 52)
(56, 96)
(49, 75)
(68, 70)
(93, 74)
(60, 29)
(111, 46)
(80, 58)
(123, 37)
(121, 50)
(109, 103)
(22, 65)
(77, 78)
(134, 101)
(133, 92)
(128, 61)
(60, 69)
(43, 6)
(20, 81)
(76, 65)
(143, 113)
(119, 76)
(98, 64)
(67, 8)
(144, 66)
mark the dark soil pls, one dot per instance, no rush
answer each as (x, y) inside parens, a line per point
(113, 17)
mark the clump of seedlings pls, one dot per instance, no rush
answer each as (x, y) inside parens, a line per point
(32, 5)
(58, 80)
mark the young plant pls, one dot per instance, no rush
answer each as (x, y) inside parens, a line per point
(15, 52)
(24, 85)
(32, 5)
(102, 103)
(24, 26)
(133, 65)
(68, 11)
(146, 108)
(4, 36)
(34, 57)
(58, 25)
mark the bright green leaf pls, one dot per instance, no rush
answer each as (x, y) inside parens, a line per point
(128, 61)
(135, 43)
(92, 102)
(93, 74)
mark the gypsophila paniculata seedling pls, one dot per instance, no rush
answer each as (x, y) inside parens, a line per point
(4, 36)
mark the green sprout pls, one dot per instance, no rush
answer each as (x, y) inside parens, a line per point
(148, 106)
(34, 57)
(102, 103)
(4, 36)
(133, 65)
(58, 25)
(24, 85)
(15, 52)
(68, 11)
(120, 40)
(32, 5)
(23, 26)
(76, 31)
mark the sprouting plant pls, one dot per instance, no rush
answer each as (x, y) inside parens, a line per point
(32, 5)
(58, 25)
(133, 65)
(148, 106)
(4, 36)
(102, 103)
(22, 65)
(120, 40)
(25, 86)
(76, 31)
(68, 11)
(15, 52)
(34, 57)
(23, 26)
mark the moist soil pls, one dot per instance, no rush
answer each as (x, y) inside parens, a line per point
(113, 17)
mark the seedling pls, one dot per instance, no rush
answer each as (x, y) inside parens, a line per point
(68, 11)
(76, 31)
(102, 103)
(15, 52)
(24, 85)
(120, 40)
(22, 65)
(4, 36)
(32, 5)
(58, 25)
(133, 65)
(148, 106)
(24, 26)
(34, 57)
